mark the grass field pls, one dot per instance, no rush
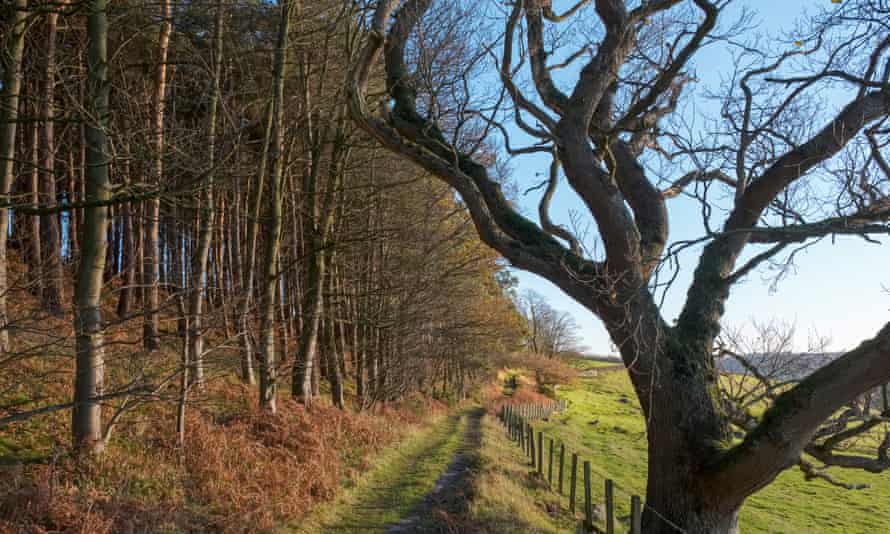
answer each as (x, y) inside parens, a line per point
(604, 425)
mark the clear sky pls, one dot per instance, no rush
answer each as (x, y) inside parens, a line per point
(837, 289)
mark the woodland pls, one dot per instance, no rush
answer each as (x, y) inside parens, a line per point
(246, 242)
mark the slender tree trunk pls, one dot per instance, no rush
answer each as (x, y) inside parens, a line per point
(205, 214)
(9, 109)
(313, 307)
(73, 224)
(253, 226)
(52, 293)
(334, 356)
(268, 374)
(34, 251)
(151, 252)
(183, 378)
(89, 373)
(124, 303)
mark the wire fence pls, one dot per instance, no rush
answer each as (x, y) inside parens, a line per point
(559, 468)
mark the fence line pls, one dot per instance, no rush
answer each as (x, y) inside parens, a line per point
(518, 418)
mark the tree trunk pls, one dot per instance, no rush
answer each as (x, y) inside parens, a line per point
(32, 247)
(334, 355)
(52, 293)
(151, 251)
(313, 306)
(205, 215)
(669, 503)
(129, 256)
(268, 374)
(247, 365)
(89, 373)
(681, 442)
(9, 109)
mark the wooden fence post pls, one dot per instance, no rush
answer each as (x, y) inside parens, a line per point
(562, 461)
(574, 483)
(610, 506)
(636, 515)
(521, 430)
(550, 465)
(588, 498)
(541, 453)
(531, 443)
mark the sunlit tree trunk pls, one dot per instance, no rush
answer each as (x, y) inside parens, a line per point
(52, 291)
(151, 250)
(268, 375)
(253, 226)
(205, 214)
(9, 107)
(89, 373)
(33, 250)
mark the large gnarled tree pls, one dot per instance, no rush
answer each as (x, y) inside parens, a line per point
(605, 132)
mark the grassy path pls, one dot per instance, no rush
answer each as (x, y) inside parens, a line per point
(409, 484)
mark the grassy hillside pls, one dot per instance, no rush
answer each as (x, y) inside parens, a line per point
(603, 422)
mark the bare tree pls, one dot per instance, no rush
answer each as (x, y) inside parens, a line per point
(550, 332)
(205, 213)
(760, 366)
(52, 275)
(268, 361)
(151, 300)
(13, 48)
(604, 131)
(90, 368)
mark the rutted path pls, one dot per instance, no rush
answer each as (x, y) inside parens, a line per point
(449, 499)
(423, 487)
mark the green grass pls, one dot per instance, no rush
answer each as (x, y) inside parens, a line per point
(396, 483)
(586, 364)
(604, 425)
(509, 497)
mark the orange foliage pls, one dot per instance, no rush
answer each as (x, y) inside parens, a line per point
(246, 472)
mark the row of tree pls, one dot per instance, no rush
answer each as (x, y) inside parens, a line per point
(192, 168)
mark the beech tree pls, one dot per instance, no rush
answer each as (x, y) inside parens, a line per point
(610, 130)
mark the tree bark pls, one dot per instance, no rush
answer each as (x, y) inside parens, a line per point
(89, 373)
(9, 109)
(33, 250)
(151, 251)
(268, 373)
(52, 293)
(334, 355)
(205, 215)
(253, 226)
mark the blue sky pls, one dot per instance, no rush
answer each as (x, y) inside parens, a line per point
(837, 289)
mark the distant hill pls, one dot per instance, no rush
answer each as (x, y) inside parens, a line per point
(784, 366)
